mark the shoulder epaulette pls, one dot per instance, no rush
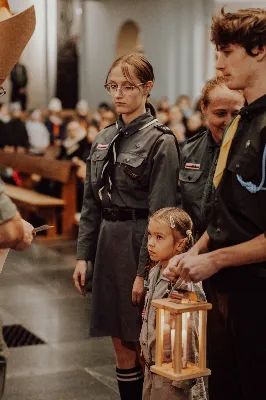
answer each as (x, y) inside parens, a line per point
(196, 137)
(163, 128)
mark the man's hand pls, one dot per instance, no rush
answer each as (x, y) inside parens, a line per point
(171, 272)
(27, 236)
(137, 291)
(197, 268)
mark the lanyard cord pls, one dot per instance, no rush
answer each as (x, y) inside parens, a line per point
(251, 187)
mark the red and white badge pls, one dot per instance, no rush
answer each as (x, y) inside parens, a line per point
(102, 146)
(192, 166)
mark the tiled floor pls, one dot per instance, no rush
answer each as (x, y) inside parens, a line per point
(36, 291)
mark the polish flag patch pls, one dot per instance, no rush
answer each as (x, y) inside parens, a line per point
(102, 146)
(192, 166)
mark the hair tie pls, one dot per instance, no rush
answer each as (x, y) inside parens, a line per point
(189, 233)
(172, 222)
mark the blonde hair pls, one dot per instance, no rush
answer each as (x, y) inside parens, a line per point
(179, 222)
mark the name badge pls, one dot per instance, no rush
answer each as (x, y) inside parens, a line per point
(102, 146)
(192, 166)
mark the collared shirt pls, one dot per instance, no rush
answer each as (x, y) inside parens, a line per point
(8, 209)
(197, 158)
(238, 215)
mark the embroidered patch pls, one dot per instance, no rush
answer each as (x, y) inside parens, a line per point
(192, 166)
(102, 146)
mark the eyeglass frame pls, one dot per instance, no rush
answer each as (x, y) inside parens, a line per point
(2, 91)
(121, 90)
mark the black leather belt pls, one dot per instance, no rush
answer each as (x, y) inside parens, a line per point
(124, 214)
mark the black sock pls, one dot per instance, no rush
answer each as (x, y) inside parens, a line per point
(130, 382)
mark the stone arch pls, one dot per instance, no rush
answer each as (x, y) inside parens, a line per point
(128, 39)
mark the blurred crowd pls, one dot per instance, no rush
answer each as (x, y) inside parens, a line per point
(68, 134)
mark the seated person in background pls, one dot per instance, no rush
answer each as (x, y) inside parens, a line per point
(55, 123)
(162, 116)
(16, 136)
(175, 115)
(82, 110)
(4, 119)
(179, 130)
(184, 103)
(195, 124)
(75, 143)
(39, 136)
(163, 104)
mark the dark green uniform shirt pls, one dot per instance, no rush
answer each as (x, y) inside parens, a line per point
(238, 215)
(197, 158)
(145, 177)
(8, 209)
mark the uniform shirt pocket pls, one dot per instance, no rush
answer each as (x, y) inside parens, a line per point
(98, 159)
(130, 169)
(189, 175)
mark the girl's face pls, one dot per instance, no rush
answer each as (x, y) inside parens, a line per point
(161, 242)
(127, 97)
(224, 104)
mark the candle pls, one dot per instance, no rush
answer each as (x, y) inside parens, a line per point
(172, 342)
(184, 339)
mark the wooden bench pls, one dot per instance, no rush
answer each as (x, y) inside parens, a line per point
(47, 207)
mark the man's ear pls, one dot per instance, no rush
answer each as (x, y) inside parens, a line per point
(259, 52)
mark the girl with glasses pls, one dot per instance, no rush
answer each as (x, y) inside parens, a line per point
(132, 171)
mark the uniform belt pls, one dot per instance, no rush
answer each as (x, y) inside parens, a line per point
(124, 214)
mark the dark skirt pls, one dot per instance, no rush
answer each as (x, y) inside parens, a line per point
(115, 270)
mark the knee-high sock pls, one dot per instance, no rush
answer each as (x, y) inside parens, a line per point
(130, 383)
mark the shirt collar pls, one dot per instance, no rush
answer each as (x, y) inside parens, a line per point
(134, 125)
(210, 141)
(256, 107)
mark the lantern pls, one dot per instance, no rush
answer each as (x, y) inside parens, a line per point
(180, 368)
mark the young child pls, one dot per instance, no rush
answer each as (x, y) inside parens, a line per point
(169, 233)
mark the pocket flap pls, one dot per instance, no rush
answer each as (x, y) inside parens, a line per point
(134, 160)
(99, 155)
(186, 175)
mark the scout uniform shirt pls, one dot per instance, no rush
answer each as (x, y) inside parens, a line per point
(158, 288)
(239, 215)
(8, 209)
(196, 162)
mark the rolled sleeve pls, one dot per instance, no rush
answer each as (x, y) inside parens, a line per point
(8, 209)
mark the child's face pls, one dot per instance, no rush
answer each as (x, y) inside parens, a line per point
(161, 242)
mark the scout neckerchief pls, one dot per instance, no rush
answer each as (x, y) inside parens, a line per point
(105, 191)
(225, 148)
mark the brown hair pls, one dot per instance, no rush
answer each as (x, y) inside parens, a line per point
(179, 222)
(212, 84)
(142, 69)
(246, 28)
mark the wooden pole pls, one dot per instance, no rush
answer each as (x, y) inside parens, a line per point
(159, 337)
(178, 344)
(202, 338)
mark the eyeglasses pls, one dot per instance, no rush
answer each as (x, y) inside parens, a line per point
(2, 92)
(124, 89)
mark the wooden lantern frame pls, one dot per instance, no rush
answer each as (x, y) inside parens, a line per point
(174, 371)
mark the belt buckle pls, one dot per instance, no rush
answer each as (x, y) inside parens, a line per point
(113, 215)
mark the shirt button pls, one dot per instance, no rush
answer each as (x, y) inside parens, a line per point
(126, 133)
(143, 344)
(137, 145)
(127, 159)
(218, 230)
(237, 165)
